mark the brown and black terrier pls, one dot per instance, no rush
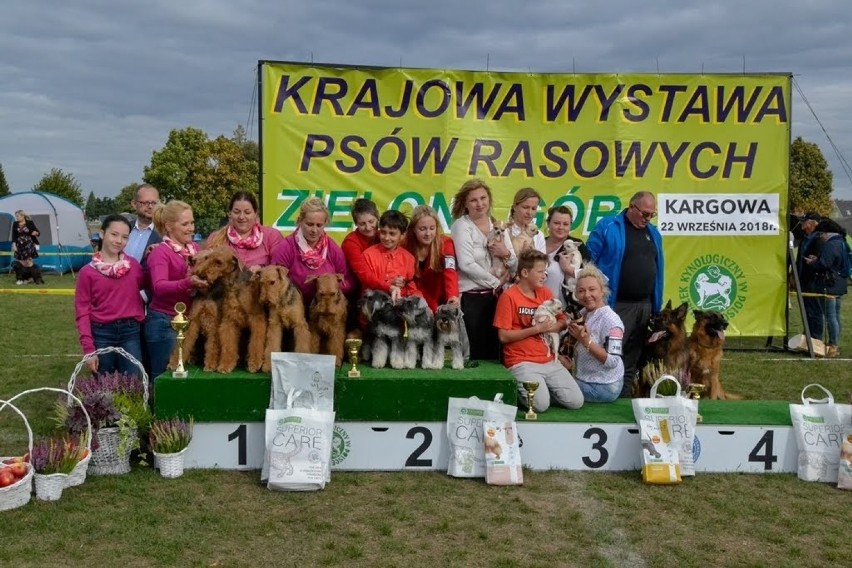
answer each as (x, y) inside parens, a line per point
(666, 350)
(286, 311)
(705, 353)
(328, 316)
(204, 315)
(27, 274)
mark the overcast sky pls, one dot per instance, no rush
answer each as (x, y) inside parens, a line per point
(94, 86)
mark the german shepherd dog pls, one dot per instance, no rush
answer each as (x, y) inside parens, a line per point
(666, 350)
(705, 353)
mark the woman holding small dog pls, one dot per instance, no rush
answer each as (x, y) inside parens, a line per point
(435, 268)
(24, 239)
(522, 229)
(251, 242)
(170, 280)
(108, 308)
(479, 288)
(598, 369)
(559, 221)
(308, 252)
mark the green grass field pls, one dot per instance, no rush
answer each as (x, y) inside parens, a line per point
(224, 518)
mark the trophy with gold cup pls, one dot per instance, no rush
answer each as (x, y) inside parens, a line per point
(530, 387)
(179, 324)
(695, 390)
(353, 347)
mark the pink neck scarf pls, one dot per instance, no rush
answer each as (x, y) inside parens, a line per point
(189, 250)
(315, 256)
(251, 241)
(116, 269)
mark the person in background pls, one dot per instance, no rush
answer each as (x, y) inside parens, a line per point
(390, 268)
(628, 249)
(809, 247)
(170, 280)
(525, 354)
(365, 215)
(24, 239)
(559, 221)
(251, 242)
(108, 308)
(479, 288)
(308, 251)
(598, 368)
(522, 216)
(830, 266)
(435, 258)
(143, 235)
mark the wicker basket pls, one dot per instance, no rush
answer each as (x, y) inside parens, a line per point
(105, 460)
(78, 474)
(48, 487)
(171, 465)
(18, 494)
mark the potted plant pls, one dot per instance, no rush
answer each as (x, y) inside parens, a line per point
(169, 439)
(119, 414)
(53, 459)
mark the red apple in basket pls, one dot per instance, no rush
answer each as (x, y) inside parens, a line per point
(18, 469)
(7, 478)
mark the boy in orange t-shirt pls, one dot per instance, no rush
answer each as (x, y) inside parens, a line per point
(390, 267)
(524, 352)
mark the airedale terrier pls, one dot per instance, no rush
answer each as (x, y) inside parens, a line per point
(203, 315)
(286, 311)
(328, 316)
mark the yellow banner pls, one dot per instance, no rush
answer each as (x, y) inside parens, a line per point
(713, 148)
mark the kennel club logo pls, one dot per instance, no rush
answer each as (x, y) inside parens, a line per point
(714, 282)
(340, 444)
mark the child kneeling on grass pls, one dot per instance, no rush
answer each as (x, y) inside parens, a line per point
(524, 351)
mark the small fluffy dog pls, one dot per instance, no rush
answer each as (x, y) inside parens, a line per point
(417, 333)
(27, 274)
(387, 327)
(449, 332)
(524, 239)
(665, 350)
(286, 310)
(328, 316)
(570, 250)
(495, 235)
(371, 302)
(547, 312)
(705, 353)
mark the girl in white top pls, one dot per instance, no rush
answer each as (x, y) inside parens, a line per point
(559, 221)
(522, 215)
(471, 210)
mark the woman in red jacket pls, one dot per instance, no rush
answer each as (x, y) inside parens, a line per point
(435, 269)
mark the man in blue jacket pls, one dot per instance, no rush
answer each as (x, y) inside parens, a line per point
(629, 250)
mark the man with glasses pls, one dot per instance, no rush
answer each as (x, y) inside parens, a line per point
(629, 250)
(143, 234)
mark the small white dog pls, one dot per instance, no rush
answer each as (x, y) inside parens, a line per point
(570, 249)
(547, 312)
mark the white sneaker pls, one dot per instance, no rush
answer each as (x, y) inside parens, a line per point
(19, 282)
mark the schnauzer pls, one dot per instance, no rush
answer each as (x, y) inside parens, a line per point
(449, 332)
(371, 302)
(418, 330)
(388, 326)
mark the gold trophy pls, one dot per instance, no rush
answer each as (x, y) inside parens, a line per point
(530, 387)
(353, 347)
(179, 324)
(695, 390)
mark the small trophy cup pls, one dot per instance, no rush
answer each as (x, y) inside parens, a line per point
(695, 390)
(353, 346)
(530, 387)
(179, 324)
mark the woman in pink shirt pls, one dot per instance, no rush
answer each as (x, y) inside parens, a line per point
(170, 280)
(107, 304)
(251, 242)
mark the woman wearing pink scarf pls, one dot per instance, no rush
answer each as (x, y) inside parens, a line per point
(107, 304)
(251, 242)
(310, 252)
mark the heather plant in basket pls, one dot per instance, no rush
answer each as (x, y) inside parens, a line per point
(55, 455)
(170, 436)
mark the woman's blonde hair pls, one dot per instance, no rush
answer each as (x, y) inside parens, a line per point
(459, 209)
(313, 205)
(591, 271)
(169, 213)
(520, 196)
(410, 241)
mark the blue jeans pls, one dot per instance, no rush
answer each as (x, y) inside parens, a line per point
(160, 340)
(122, 333)
(597, 392)
(832, 316)
(814, 313)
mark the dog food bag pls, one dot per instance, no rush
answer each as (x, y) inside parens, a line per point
(503, 464)
(660, 462)
(681, 416)
(464, 432)
(819, 425)
(313, 375)
(844, 472)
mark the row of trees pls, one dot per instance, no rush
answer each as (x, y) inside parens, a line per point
(206, 172)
